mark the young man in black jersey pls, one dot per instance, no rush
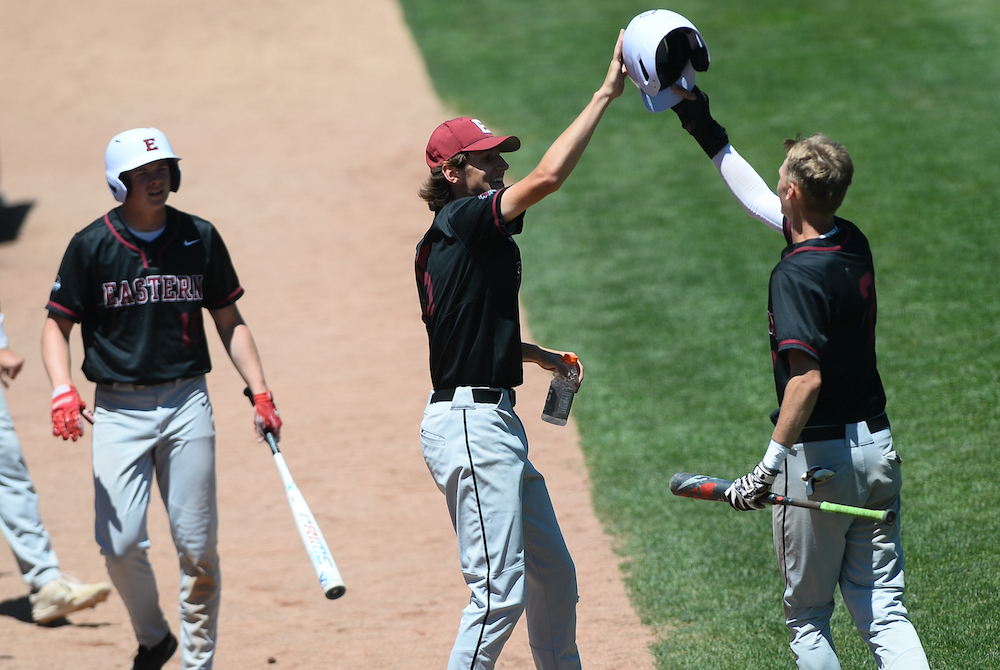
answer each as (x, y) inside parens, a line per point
(137, 280)
(832, 440)
(468, 269)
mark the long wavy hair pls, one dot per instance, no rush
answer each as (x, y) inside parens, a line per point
(436, 190)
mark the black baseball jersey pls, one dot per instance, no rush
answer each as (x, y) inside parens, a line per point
(140, 303)
(468, 277)
(821, 301)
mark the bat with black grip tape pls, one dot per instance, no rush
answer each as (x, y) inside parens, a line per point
(312, 537)
(703, 487)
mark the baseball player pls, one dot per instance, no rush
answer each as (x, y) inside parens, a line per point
(832, 440)
(468, 268)
(136, 281)
(53, 593)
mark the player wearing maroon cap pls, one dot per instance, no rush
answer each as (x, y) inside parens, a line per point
(468, 267)
(832, 438)
(136, 280)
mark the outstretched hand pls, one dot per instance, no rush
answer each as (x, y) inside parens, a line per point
(614, 82)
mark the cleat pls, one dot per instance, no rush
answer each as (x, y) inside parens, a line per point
(63, 595)
(153, 658)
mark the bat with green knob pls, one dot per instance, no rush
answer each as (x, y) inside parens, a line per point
(702, 487)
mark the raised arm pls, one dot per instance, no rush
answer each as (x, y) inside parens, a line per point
(750, 190)
(562, 157)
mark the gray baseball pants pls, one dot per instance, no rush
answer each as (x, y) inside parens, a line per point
(167, 430)
(20, 519)
(510, 547)
(818, 551)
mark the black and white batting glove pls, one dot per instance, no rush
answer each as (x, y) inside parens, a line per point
(697, 120)
(745, 493)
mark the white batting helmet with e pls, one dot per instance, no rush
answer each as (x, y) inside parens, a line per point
(661, 48)
(135, 148)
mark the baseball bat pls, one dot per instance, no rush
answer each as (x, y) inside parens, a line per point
(312, 537)
(702, 487)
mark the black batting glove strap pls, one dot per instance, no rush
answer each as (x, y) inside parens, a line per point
(745, 493)
(697, 120)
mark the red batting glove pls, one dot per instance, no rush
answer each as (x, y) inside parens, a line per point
(67, 421)
(265, 416)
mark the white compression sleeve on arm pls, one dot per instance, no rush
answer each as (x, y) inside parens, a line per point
(748, 188)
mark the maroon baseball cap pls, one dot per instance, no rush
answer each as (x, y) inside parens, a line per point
(464, 134)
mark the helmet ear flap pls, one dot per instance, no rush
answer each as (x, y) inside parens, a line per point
(175, 175)
(119, 188)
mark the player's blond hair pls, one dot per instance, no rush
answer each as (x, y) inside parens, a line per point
(436, 190)
(822, 169)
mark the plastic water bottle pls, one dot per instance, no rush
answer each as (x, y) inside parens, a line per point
(561, 392)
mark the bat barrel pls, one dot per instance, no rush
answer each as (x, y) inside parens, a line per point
(700, 487)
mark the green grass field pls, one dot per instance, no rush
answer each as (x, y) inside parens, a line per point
(645, 266)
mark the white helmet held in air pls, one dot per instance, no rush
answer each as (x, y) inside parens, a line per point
(135, 148)
(661, 48)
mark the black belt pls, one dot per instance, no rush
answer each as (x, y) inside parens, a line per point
(839, 432)
(485, 396)
(129, 386)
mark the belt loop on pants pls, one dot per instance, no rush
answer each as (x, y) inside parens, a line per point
(839, 432)
(486, 396)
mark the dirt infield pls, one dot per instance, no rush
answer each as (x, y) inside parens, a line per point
(301, 126)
